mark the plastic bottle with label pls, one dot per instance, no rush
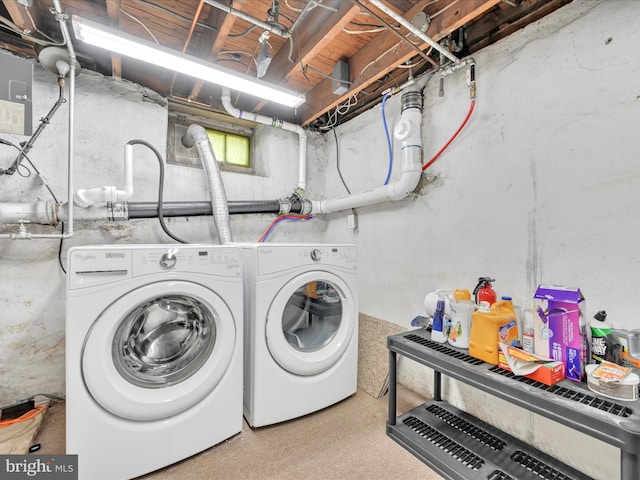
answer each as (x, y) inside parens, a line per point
(489, 326)
(600, 328)
(528, 337)
(518, 311)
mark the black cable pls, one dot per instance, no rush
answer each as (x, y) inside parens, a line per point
(26, 157)
(60, 250)
(353, 210)
(160, 187)
(338, 161)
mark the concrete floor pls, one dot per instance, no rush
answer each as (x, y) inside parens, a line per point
(342, 442)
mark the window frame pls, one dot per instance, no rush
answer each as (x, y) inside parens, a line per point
(178, 122)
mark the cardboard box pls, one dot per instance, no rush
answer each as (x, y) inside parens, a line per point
(530, 365)
(558, 313)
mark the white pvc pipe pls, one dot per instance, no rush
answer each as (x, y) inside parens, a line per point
(86, 197)
(273, 122)
(409, 26)
(37, 212)
(408, 130)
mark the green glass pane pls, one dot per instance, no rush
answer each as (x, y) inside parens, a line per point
(237, 150)
(217, 140)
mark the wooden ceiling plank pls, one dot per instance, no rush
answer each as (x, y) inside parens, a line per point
(19, 16)
(313, 43)
(371, 63)
(113, 12)
(500, 24)
(218, 43)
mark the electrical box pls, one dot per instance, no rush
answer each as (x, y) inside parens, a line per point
(16, 79)
(340, 78)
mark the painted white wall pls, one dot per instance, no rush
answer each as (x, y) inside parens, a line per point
(541, 187)
(108, 114)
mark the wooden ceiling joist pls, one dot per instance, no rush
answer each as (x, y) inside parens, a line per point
(385, 53)
(113, 12)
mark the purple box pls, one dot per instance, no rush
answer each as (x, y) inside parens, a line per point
(557, 318)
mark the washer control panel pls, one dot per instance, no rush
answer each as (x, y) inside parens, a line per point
(168, 260)
(220, 260)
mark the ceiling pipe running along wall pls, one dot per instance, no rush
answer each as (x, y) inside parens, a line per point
(274, 122)
(418, 33)
(267, 26)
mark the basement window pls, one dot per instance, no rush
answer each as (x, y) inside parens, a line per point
(232, 144)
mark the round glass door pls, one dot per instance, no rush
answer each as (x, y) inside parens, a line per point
(312, 316)
(164, 341)
(310, 323)
(158, 350)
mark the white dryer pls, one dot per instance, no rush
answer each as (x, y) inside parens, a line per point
(153, 355)
(301, 329)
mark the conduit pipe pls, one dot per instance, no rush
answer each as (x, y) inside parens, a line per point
(62, 18)
(86, 197)
(197, 135)
(36, 209)
(409, 26)
(267, 26)
(274, 122)
(408, 132)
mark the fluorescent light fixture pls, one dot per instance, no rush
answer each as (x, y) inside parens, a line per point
(134, 47)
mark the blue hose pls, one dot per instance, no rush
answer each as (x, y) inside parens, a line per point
(386, 131)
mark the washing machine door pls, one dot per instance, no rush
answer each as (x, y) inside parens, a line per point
(311, 322)
(158, 350)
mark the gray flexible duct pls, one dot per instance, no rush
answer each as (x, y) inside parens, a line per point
(197, 135)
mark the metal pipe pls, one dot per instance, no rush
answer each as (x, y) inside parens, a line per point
(409, 26)
(72, 89)
(43, 123)
(248, 18)
(396, 33)
(307, 8)
(197, 135)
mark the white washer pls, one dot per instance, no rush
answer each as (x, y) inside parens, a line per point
(153, 355)
(301, 329)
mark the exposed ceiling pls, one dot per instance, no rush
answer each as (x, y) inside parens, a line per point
(379, 52)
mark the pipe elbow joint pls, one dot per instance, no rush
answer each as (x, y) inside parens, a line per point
(193, 134)
(85, 198)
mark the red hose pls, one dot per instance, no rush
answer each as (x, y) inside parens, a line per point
(435, 157)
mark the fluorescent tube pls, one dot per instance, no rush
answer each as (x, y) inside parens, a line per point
(134, 47)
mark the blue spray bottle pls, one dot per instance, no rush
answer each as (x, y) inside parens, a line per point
(439, 328)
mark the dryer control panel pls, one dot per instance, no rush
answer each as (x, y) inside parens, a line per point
(278, 258)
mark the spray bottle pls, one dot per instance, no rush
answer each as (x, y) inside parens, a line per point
(440, 325)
